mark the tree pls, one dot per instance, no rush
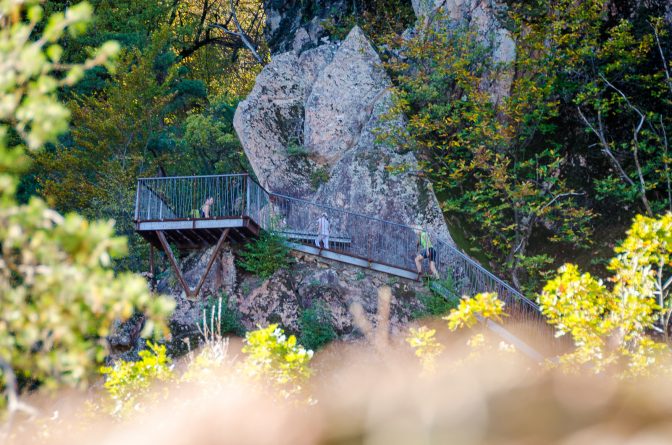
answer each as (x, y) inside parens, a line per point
(120, 134)
(610, 325)
(265, 255)
(625, 105)
(479, 150)
(57, 291)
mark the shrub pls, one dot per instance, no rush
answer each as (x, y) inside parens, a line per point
(480, 308)
(425, 346)
(276, 359)
(126, 382)
(610, 324)
(442, 298)
(265, 255)
(296, 150)
(316, 327)
(318, 177)
(59, 293)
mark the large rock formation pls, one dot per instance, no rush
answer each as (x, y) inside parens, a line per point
(331, 101)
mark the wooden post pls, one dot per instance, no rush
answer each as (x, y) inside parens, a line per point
(173, 262)
(152, 279)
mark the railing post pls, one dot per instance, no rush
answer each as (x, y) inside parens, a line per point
(193, 196)
(248, 183)
(137, 202)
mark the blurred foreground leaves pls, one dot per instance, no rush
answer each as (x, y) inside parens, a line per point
(58, 292)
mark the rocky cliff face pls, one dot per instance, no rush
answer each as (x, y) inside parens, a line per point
(282, 298)
(296, 24)
(328, 103)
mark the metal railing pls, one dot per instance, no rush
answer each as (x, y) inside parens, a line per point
(365, 237)
(183, 197)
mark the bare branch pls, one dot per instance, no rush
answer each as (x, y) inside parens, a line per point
(662, 57)
(606, 149)
(666, 162)
(557, 197)
(638, 128)
(241, 34)
(14, 405)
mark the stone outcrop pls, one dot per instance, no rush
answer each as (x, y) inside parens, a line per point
(222, 280)
(331, 101)
(335, 286)
(482, 17)
(297, 24)
(282, 298)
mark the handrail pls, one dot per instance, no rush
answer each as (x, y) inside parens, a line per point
(325, 206)
(194, 177)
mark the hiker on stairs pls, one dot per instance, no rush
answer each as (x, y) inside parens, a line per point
(322, 232)
(425, 250)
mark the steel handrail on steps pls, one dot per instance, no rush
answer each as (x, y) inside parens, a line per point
(371, 239)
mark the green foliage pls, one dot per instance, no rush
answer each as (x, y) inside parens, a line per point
(480, 308)
(379, 19)
(296, 150)
(264, 256)
(623, 100)
(441, 299)
(425, 346)
(58, 294)
(274, 359)
(128, 382)
(316, 327)
(227, 317)
(609, 325)
(476, 145)
(167, 110)
(209, 143)
(318, 177)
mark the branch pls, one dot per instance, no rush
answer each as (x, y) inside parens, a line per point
(642, 119)
(667, 165)
(241, 34)
(14, 405)
(606, 149)
(245, 41)
(559, 196)
(662, 57)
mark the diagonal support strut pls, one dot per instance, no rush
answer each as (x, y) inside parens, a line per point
(173, 262)
(211, 261)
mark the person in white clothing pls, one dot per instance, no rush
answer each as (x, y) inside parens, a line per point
(322, 231)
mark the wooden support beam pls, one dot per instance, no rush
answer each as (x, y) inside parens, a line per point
(211, 237)
(152, 280)
(211, 261)
(173, 262)
(202, 239)
(186, 238)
